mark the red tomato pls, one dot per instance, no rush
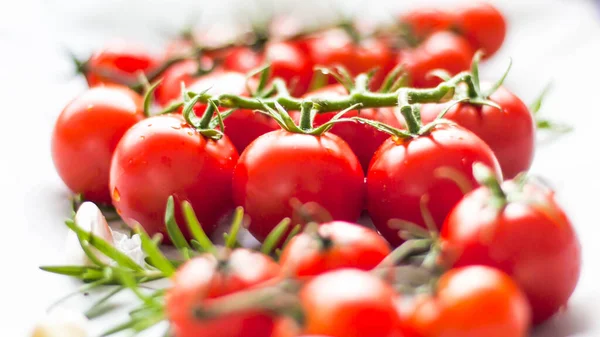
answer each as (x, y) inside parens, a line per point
(336, 245)
(364, 140)
(442, 50)
(510, 133)
(349, 303)
(405, 170)
(474, 301)
(422, 22)
(120, 59)
(163, 156)
(482, 24)
(203, 279)
(287, 62)
(530, 238)
(335, 47)
(170, 87)
(86, 135)
(280, 166)
(243, 126)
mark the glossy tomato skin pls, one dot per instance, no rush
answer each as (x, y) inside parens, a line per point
(442, 50)
(341, 245)
(404, 171)
(185, 72)
(287, 62)
(422, 22)
(509, 132)
(280, 166)
(349, 303)
(532, 240)
(86, 134)
(119, 58)
(201, 280)
(243, 126)
(482, 25)
(163, 156)
(474, 301)
(335, 47)
(364, 140)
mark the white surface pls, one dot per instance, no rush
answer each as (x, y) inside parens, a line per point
(548, 39)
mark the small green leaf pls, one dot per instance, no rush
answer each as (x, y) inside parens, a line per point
(157, 258)
(148, 98)
(475, 72)
(173, 230)
(95, 309)
(77, 271)
(537, 104)
(238, 217)
(295, 230)
(196, 228)
(275, 236)
(499, 82)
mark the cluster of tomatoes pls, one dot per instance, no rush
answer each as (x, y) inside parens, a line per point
(506, 254)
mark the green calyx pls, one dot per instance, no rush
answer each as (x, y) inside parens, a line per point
(210, 119)
(486, 177)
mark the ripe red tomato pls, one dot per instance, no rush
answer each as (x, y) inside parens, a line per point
(510, 133)
(336, 47)
(336, 245)
(287, 62)
(473, 301)
(441, 50)
(530, 238)
(405, 170)
(243, 126)
(422, 22)
(163, 156)
(184, 72)
(281, 165)
(482, 24)
(349, 303)
(203, 279)
(120, 59)
(86, 135)
(364, 140)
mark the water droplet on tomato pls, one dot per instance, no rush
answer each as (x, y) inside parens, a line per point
(142, 137)
(90, 107)
(116, 195)
(190, 133)
(149, 124)
(177, 127)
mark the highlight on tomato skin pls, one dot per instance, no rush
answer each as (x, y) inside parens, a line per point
(86, 134)
(204, 278)
(530, 238)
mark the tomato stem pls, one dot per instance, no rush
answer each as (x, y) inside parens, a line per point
(306, 115)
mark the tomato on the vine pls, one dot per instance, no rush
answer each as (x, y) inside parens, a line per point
(184, 72)
(482, 24)
(363, 139)
(163, 156)
(280, 166)
(403, 171)
(86, 135)
(336, 47)
(441, 50)
(118, 60)
(520, 229)
(475, 301)
(205, 278)
(287, 62)
(349, 303)
(422, 22)
(334, 245)
(509, 132)
(243, 126)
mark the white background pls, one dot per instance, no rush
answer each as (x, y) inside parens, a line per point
(548, 39)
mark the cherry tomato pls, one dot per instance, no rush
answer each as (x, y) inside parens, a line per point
(86, 135)
(509, 132)
(336, 47)
(170, 87)
(280, 166)
(405, 170)
(473, 301)
(530, 238)
(441, 50)
(163, 156)
(287, 62)
(120, 59)
(243, 126)
(482, 24)
(349, 303)
(335, 245)
(422, 22)
(364, 140)
(203, 279)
